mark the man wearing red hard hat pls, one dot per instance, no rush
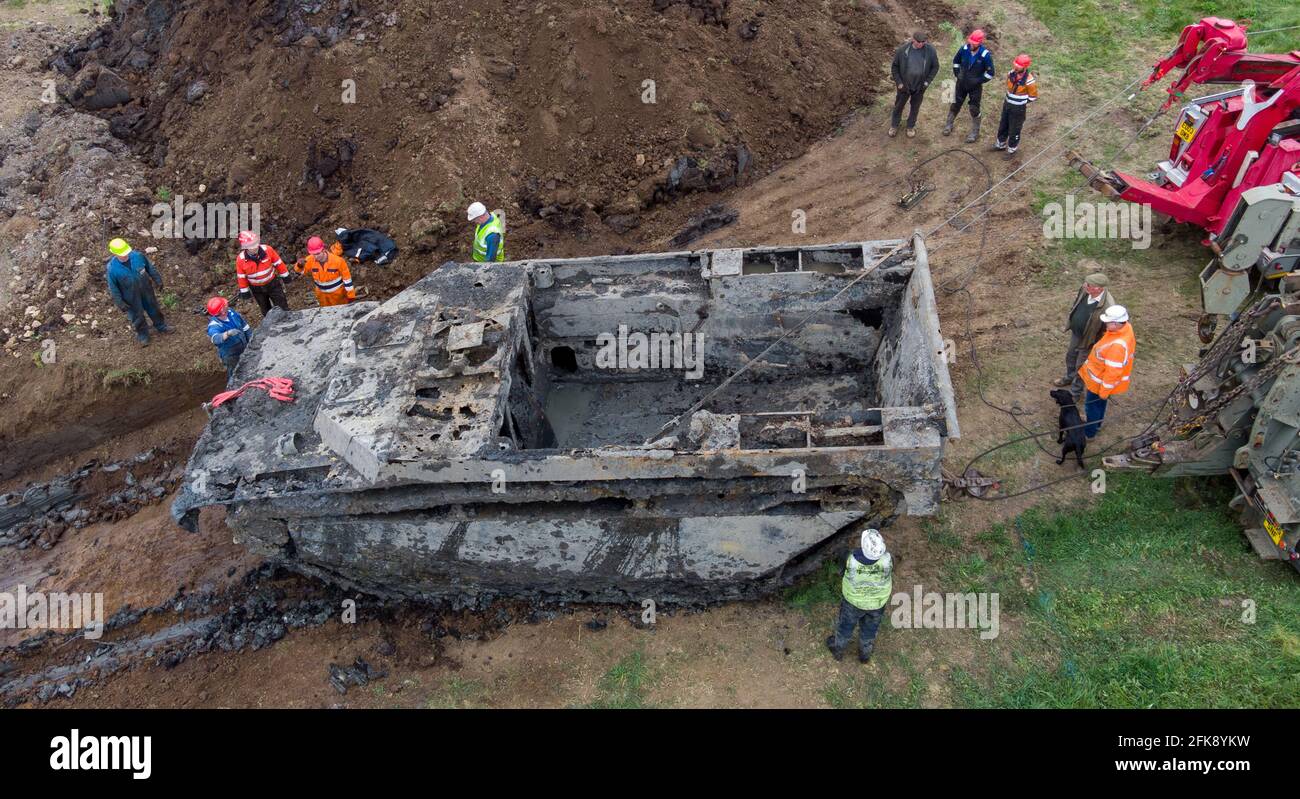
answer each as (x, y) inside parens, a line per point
(329, 271)
(972, 67)
(260, 273)
(1022, 89)
(228, 331)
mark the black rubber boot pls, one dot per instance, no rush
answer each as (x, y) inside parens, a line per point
(864, 656)
(974, 131)
(947, 126)
(838, 654)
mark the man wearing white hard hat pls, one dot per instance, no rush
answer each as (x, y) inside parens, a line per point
(1106, 371)
(867, 585)
(489, 234)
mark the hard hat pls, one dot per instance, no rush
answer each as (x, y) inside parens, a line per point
(873, 545)
(976, 36)
(475, 211)
(119, 247)
(1115, 313)
(217, 306)
(1022, 61)
(248, 238)
(315, 245)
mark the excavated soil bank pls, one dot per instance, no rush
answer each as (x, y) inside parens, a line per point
(397, 114)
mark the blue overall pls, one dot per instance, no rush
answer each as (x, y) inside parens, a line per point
(131, 285)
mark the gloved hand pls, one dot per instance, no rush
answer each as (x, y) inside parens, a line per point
(228, 334)
(288, 277)
(238, 298)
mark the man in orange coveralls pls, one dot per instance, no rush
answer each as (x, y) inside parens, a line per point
(329, 272)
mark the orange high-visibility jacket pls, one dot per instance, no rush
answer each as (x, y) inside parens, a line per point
(249, 272)
(1022, 87)
(333, 279)
(1110, 363)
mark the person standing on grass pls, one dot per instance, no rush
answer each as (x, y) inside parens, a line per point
(1106, 372)
(914, 67)
(1085, 327)
(866, 587)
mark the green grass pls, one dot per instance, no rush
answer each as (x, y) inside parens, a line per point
(169, 300)
(458, 693)
(1139, 605)
(814, 593)
(130, 376)
(625, 685)
(870, 690)
(1099, 36)
(1097, 48)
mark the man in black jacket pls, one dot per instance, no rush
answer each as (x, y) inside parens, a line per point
(915, 65)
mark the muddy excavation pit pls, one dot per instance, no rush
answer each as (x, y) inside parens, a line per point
(521, 429)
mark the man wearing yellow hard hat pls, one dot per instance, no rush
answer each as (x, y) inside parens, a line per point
(131, 280)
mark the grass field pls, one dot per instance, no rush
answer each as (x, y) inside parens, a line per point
(1147, 596)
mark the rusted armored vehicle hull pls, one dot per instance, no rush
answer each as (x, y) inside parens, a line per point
(508, 429)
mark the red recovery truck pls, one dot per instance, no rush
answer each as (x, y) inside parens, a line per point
(1234, 171)
(1234, 162)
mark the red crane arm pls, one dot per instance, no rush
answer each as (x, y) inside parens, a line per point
(1214, 51)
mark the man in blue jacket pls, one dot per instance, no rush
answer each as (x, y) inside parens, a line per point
(972, 67)
(131, 280)
(228, 331)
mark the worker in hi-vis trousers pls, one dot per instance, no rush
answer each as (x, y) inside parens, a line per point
(329, 272)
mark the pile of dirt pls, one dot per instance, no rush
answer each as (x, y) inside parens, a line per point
(396, 114)
(64, 178)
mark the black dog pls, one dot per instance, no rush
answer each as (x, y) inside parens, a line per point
(1069, 428)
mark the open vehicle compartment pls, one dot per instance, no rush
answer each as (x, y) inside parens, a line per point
(468, 438)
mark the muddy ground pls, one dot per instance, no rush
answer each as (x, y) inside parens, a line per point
(596, 129)
(441, 119)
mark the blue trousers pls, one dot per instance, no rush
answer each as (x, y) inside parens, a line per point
(1095, 409)
(231, 359)
(142, 308)
(852, 616)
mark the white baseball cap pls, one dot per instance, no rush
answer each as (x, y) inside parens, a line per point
(475, 211)
(1115, 313)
